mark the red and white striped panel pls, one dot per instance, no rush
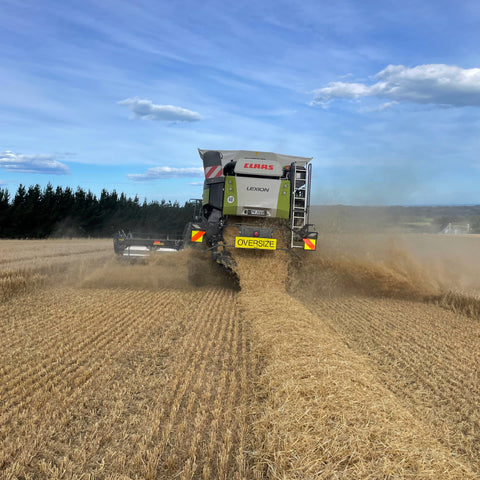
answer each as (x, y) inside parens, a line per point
(213, 172)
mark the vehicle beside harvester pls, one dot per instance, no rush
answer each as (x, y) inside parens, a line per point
(132, 244)
(251, 200)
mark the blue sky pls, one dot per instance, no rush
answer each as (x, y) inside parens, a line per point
(120, 94)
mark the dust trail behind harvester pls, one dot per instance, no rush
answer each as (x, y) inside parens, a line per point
(378, 266)
(430, 268)
(261, 271)
(168, 270)
(384, 268)
(172, 270)
(322, 412)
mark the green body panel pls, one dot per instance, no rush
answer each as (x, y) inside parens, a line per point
(230, 197)
(283, 204)
(249, 193)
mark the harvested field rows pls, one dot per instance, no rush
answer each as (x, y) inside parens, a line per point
(111, 370)
(15, 254)
(428, 357)
(134, 383)
(27, 264)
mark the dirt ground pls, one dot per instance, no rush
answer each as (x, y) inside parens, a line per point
(347, 363)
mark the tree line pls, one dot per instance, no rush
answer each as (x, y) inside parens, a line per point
(34, 212)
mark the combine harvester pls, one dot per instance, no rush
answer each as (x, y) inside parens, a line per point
(262, 198)
(251, 200)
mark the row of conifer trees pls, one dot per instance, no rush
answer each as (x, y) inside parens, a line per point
(34, 212)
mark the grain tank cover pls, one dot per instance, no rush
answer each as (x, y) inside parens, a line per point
(247, 156)
(247, 162)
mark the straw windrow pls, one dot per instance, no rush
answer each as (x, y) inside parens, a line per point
(324, 412)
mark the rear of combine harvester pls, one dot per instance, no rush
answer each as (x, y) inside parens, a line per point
(253, 200)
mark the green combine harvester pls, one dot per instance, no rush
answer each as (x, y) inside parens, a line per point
(251, 200)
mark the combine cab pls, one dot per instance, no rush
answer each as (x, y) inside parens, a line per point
(253, 200)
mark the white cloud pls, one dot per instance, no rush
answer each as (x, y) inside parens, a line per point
(45, 164)
(378, 108)
(426, 84)
(156, 173)
(145, 109)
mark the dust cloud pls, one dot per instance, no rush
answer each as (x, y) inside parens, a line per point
(355, 264)
(396, 265)
(180, 270)
(405, 265)
(166, 270)
(338, 268)
(379, 266)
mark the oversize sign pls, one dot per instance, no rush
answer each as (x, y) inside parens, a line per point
(253, 242)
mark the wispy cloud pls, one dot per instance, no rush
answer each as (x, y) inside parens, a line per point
(378, 108)
(145, 109)
(425, 84)
(45, 164)
(156, 173)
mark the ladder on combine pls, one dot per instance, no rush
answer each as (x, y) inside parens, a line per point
(300, 177)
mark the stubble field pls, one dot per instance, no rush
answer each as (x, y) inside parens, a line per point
(349, 363)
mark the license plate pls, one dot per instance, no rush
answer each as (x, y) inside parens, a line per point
(260, 213)
(258, 243)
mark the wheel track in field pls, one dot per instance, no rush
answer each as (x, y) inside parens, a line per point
(428, 357)
(208, 396)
